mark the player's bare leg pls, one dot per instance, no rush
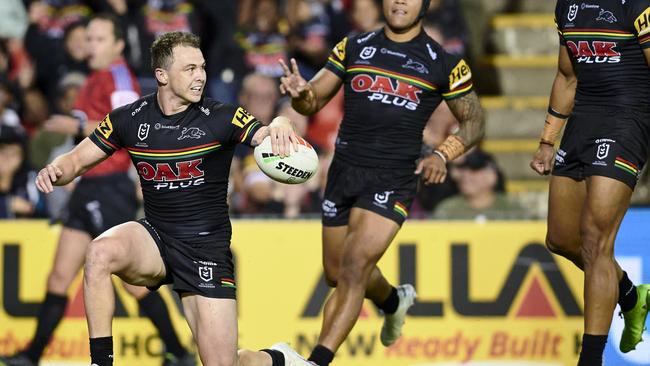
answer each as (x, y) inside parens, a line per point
(368, 237)
(378, 288)
(214, 326)
(605, 205)
(129, 251)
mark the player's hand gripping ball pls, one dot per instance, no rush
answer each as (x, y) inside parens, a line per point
(294, 169)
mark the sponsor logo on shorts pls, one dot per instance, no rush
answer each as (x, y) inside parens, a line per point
(191, 133)
(329, 208)
(367, 52)
(573, 12)
(143, 131)
(559, 157)
(382, 198)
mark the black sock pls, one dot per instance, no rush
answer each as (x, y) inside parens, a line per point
(389, 306)
(592, 350)
(276, 357)
(101, 351)
(154, 308)
(627, 295)
(321, 356)
(49, 316)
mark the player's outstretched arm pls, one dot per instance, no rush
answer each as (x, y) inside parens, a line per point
(560, 106)
(70, 165)
(308, 97)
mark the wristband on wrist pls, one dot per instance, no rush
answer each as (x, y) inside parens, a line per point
(557, 114)
(441, 155)
(452, 148)
(552, 128)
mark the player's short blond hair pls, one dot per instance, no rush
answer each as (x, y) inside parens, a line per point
(161, 49)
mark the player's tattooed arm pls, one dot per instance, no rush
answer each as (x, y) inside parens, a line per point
(467, 109)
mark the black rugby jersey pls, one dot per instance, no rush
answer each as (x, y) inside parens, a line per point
(391, 89)
(605, 40)
(183, 160)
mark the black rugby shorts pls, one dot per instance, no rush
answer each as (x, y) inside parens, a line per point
(203, 267)
(386, 192)
(608, 142)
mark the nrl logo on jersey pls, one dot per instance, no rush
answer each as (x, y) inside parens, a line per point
(573, 12)
(367, 52)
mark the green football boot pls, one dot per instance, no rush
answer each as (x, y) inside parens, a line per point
(635, 320)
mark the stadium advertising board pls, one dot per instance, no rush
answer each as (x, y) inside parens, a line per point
(489, 294)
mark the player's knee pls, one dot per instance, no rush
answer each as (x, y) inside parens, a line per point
(331, 272)
(246, 357)
(555, 244)
(99, 256)
(595, 245)
(354, 268)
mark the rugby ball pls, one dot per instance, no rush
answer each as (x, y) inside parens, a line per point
(294, 169)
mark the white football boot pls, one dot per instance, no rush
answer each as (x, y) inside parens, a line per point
(392, 328)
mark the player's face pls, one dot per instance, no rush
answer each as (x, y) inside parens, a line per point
(401, 14)
(187, 73)
(103, 48)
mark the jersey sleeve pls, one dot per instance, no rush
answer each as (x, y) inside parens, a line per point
(640, 13)
(242, 125)
(459, 77)
(336, 61)
(106, 136)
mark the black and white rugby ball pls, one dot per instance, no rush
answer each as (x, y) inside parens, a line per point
(296, 168)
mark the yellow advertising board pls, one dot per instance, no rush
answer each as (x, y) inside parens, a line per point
(488, 294)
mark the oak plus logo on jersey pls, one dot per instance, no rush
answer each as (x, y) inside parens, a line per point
(179, 175)
(387, 91)
(595, 52)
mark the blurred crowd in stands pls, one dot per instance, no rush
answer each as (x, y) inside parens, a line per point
(43, 66)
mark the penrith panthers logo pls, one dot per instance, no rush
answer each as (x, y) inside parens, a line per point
(191, 133)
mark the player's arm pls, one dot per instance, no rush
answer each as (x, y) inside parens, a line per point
(71, 126)
(308, 97)
(70, 165)
(560, 107)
